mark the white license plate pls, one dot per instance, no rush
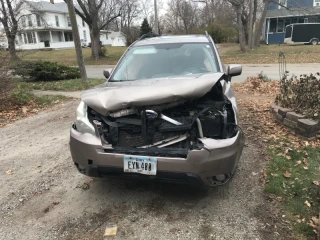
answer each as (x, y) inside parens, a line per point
(140, 164)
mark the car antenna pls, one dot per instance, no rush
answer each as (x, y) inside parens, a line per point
(207, 35)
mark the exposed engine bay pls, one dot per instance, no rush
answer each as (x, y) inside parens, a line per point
(170, 129)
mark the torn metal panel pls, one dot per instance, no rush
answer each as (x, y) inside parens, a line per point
(113, 96)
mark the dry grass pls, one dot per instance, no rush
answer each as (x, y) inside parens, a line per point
(68, 56)
(269, 54)
(229, 54)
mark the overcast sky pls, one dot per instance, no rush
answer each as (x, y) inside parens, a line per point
(162, 8)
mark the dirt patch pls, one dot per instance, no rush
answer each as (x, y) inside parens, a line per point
(140, 210)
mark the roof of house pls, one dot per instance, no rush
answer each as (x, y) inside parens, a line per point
(115, 34)
(46, 6)
(292, 12)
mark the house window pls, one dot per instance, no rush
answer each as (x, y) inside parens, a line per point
(282, 4)
(280, 26)
(306, 20)
(83, 23)
(69, 21)
(31, 37)
(38, 21)
(29, 21)
(24, 37)
(85, 35)
(316, 3)
(57, 21)
(24, 24)
(273, 25)
(107, 36)
(68, 37)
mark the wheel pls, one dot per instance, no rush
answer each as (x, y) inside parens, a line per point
(314, 42)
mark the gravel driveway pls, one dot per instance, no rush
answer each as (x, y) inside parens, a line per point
(44, 197)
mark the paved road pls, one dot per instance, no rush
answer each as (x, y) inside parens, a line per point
(43, 197)
(271, 70)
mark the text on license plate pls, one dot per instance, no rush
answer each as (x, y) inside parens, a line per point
(140, 164)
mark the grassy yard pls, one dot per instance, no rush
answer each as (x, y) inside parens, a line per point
(68, 56)
(229, 54)
(269, 54)
(19, 102)
(293, 175)
(62, 85)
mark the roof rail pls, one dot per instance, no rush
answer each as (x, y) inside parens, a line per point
(148, 35)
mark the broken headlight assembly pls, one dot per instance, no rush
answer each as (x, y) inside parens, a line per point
(82, 123)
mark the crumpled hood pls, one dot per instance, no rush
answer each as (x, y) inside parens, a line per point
(113, 96)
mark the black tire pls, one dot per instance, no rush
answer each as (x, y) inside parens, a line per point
(314, 42)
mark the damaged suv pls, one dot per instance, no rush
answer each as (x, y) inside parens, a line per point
(167, 112)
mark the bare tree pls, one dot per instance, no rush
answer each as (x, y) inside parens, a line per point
(9, 10)
(131, 9)
(98, 14)
(183, 13)
(238, 5)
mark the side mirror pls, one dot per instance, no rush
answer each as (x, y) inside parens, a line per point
(233, 70)
(107, 72)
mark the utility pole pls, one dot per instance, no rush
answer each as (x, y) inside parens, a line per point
(156, 30)
(76, 39)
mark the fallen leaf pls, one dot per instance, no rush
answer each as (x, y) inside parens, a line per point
(9, 172)
(315, 220)
(307, 203)
(288, 157)
(299, 162)
(316, 183)
(24, 110)
(265, 173)
(111, 231)
(287, 174)
(305, 168)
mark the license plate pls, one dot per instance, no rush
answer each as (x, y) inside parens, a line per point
(142, 165)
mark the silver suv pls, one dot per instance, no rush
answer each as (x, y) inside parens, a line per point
(167, 112)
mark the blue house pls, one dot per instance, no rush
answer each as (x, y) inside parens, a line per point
(284, 12)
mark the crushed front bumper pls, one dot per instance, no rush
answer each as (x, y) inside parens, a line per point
(217, 158)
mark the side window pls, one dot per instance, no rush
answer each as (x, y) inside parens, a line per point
(57, 21)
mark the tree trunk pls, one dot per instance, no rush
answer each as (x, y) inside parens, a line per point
(12, 48)
(262, 21)
(250, 24)
(240, 30)
(96, 52)
(254, 19)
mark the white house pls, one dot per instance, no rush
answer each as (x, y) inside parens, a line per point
(3, 40)
(46, 25)
(118, 39)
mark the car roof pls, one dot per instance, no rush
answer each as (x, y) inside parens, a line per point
(172, 39)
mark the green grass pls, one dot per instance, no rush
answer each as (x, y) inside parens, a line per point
(299, 187)
(22, 97)
(269, 54)
(68, 56)
(229, 53)
(62, 85)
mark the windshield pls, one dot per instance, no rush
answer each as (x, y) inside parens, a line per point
(166, 60)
